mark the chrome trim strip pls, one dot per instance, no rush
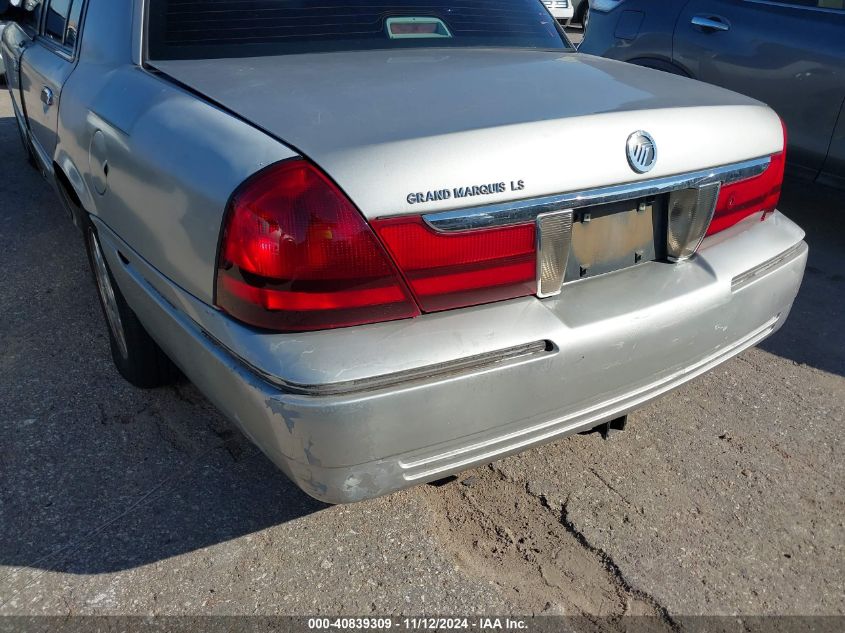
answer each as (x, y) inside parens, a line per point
(528, 351)
(743, 279)
(139, 31)
(523, 211)
(441, 370)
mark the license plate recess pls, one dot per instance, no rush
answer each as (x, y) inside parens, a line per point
(615, 236)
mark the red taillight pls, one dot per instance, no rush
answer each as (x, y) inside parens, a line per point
(297, 255)
(739, 200)
(453, 270)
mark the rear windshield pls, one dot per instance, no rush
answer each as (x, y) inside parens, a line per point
(202, 29)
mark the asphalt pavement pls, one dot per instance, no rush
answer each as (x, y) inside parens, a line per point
(725, 497)
(575, 34)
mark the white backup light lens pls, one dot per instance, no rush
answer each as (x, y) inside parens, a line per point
(690, 212)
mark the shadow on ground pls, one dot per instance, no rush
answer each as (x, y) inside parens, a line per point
(814, 335)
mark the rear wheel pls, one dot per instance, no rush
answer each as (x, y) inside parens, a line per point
(137, 356)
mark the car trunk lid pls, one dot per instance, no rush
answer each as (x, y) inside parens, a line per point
(414, 131)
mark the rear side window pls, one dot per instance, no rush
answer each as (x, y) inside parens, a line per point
(192, 29)
(61, 23)
(72, 29)
(57, 12)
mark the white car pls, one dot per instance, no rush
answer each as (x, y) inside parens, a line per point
(561, 10)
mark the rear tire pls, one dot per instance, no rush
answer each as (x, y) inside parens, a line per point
(137, 356)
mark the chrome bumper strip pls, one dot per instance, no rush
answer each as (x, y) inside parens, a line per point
(522, 211)
(743, 279)
(477, 363)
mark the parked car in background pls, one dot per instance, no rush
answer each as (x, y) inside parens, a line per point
(580, 11)
(390, 271)
(4, 7)
(790, 55)
(561, 10)
(2, 64)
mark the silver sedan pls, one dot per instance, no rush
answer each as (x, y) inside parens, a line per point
(429, 237)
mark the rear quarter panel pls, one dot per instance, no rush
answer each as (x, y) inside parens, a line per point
(173, 159)
(638, 30)
(787, 56)
(833, 172)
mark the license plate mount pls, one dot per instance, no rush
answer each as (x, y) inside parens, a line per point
(615, 236)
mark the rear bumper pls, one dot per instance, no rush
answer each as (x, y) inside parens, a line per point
(562, 14)
(612, 344)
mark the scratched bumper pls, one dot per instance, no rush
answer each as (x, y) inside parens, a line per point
(610, 344)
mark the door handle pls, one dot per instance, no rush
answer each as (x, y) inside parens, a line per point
(710, 23)
(47, 96)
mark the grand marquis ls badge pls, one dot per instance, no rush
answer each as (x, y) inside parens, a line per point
(642, 152)
(488, 189)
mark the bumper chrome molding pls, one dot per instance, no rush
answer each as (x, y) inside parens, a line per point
(522, 211)
(742, 280)
(471, 364)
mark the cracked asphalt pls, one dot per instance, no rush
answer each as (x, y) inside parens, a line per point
(722, 498)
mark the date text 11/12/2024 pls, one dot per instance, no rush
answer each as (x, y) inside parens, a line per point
(417, 624)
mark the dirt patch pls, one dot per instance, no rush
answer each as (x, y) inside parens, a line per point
(496, 529)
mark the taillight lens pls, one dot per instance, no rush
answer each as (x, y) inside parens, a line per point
(741, 199)
(297, 255)
(738, 200)
(453, 270)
